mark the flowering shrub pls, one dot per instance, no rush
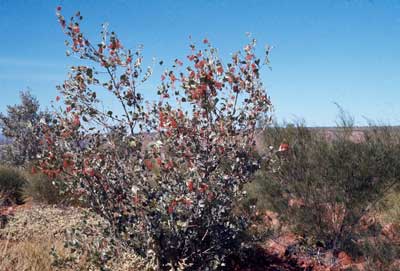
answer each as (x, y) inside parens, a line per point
(164, 174)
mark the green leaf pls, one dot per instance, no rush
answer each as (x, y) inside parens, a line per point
(89, 73)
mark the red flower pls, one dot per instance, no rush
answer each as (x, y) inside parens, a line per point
(200, 64)
(283, 147)
(115, 45)
(57, 98)
(189, 185)
(168, 133)
(203, 187)
(65, 163)
(188, 202)
(148, 164)
(172, 77)
(58, 8)
(205, 41)
(76, 121)
(89, 171)
(69, 108)
(171, 207)
(180, 114)
(169, 165)
(136, 199)
(178, 62)
(173, 123)
(162, 119)
(76, 29)
(218, 85)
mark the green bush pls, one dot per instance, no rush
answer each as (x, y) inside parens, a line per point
(41, 188)
(11, 184)
(327, 182)
(19, 126)
(17, 185)
(380, 254)
(389, 207)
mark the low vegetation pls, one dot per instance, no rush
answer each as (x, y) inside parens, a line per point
(329, 185)
(42, 189)
(181, 183)
(37, 238)
(12, 182)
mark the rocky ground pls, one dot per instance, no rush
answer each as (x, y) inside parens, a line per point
(30, 233)
(33, 233)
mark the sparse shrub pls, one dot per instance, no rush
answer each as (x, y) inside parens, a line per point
(11, 185)
(380, 253)
(328, 181)
(41, 188)
(389, 207)
(19, 126)
(165, 175)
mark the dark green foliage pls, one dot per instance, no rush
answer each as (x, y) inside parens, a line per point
(381, 253)
(41, 188)
(11, 184)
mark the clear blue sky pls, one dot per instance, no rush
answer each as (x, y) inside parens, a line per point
(344, 51)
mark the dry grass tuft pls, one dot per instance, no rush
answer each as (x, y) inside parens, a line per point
(29, 237)
(28, 255)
